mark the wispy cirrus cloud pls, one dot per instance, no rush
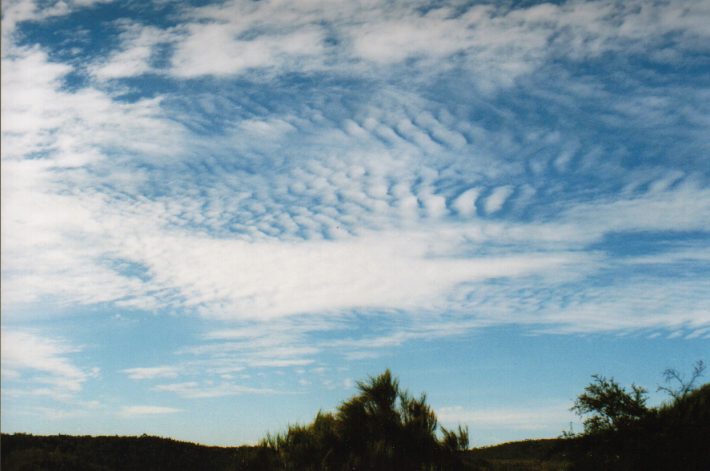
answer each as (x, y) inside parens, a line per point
(542, 420)
(197, 390)
(152, 372)
(144, 411)
(42, 363)
(557, 415)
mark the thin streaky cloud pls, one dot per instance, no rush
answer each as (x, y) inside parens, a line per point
(139, 411)
(152, 372)
(195, 390)
(47, 360)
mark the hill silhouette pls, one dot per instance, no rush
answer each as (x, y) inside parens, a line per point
(24, 452)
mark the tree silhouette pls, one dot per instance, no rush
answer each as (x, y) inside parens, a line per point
(684, 387)
(621, 432)
(382, 427)
(609, 406)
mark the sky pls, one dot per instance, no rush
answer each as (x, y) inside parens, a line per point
(217, 217)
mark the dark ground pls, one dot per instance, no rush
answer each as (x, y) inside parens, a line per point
(65, 452)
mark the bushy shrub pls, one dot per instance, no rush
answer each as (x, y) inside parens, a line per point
(382, 427)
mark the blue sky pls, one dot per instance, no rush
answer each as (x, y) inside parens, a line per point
(217, 216)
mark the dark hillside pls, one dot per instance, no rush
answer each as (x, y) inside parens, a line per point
(526, 449)
(528, 455)
(23, 452)
(64, 452)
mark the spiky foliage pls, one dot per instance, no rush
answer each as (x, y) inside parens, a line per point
(382, 427)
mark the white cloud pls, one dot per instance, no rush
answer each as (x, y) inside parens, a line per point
(497, 199)
(195, 55)
(465, 203)
(138, 45)
(196, 390)
(266, 129)
(235, 279)
(36, 107)
(152, 372)
(42, 363)
(260, 252)
(138, 411)
(17, 11)
(394, 40)
(58, 414)
(631, 306)
(682, 254)
(546, 418)
(499, 44)
(684, 208)
(51, 237)
(635, 303)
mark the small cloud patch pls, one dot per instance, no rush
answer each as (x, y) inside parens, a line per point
(136, 411)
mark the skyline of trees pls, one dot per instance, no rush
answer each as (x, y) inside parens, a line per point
(384, 427)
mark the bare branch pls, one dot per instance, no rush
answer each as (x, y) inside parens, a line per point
(683, 387)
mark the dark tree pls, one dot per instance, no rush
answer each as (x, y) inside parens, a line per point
(382, 427)
(621, 432)
(609, 406)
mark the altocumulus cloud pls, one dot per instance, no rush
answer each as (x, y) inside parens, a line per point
(339, 236)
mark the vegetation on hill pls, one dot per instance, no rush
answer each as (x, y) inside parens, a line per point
(550, 454)
(23, 452)
(622, 432)
(382, 427)
(385, 428)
